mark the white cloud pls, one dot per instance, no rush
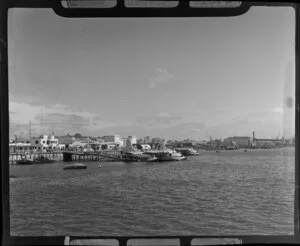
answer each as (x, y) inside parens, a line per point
(57, 117)
(164, 115)
(163, 75)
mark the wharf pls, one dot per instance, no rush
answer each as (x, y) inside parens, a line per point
(92, 156)
(68, 156)
(14, 157)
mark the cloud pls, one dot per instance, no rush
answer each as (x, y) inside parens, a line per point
(56, 118)
(179, 131)
(159, 119)
(162, 76)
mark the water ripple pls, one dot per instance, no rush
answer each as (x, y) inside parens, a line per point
(231, 192)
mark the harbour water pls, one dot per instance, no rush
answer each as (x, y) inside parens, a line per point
(227, 193)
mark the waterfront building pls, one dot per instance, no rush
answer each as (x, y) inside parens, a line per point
(110, 145)
(264, 144)
(21, 140)
(122, 141)
(116, 139)
(112, 138)
(12, 140)
(100, 140)
(132, 139)
(45, 142)
(66, 140)
(19, 147)
(241, 142)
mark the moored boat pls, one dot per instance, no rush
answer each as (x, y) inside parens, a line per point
(42, 160)
(39, 160)
(187, 151)
(165, 154)
(75, 166)
(25, 161)
(131, 154)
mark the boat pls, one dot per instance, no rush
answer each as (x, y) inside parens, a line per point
(231, 148)
(245, 150)
(39, 160)
(42, 160)
(75, 166)
(25, 161)
(131, 154)
(165, 154)
(187, 151)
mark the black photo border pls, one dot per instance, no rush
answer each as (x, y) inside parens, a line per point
(182, 10)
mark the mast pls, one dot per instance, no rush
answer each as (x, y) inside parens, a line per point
(41, 121)
(30, 129)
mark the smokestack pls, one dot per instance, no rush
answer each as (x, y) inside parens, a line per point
(253, 135)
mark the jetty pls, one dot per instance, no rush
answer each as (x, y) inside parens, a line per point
(104, 155)
(68, 156)
(14, 157)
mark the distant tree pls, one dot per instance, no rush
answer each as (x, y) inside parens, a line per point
(156, 140)
(140, 141)
(78, 135)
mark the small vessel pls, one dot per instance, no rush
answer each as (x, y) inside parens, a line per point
(25, 161)
(42, 159)
(151, 159)
(165, 154)
(245, 150)
(39, 160)
(218, 151)
(131, 154)
(187, 151)
(75, 166)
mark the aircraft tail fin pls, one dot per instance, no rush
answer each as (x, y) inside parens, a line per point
(128, 146)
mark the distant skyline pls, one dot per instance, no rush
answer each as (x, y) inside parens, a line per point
(173, 78)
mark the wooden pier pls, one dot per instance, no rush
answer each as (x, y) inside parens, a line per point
(67, 156)
(104, 155)
(14, 157)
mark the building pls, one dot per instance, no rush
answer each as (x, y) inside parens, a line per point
(132, 139)
(46, 141)
(241, 142)
(20, 147)
(112, 138)
(122, 141)
(66, 140)
(115, 140)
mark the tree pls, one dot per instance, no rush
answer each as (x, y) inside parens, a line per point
(77, 135)
(139, 141)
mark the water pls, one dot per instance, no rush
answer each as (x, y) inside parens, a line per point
(225, 193)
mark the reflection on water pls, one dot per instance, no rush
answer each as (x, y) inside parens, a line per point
(232, 192)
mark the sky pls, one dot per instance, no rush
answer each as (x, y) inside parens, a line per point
(174, 78)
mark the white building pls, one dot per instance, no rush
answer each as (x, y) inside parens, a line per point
(19, 147)
(132, 139)
(122, 141)
(45, 142)
(239, 141)
(112, 138)
(117, 139)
